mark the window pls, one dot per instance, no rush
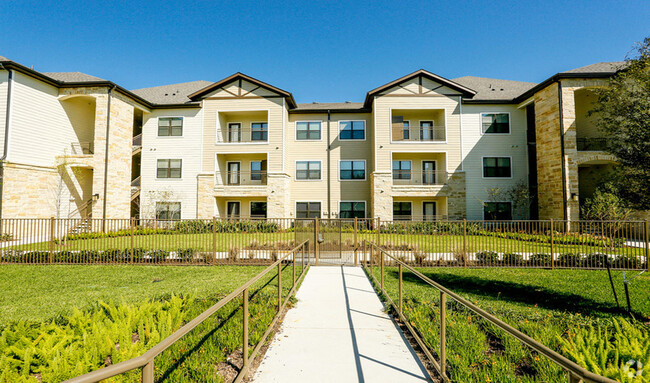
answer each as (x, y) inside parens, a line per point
(168, 210)
(495, 122)
(497, 211)
(401, 211)
(258, 209)
(353, 130)
(496, 167)
(258, 170)
(170, 126)
(426, 130)
(406, 129)
(308, 170)
(259, 131)
(307, 209)
(234, 132)
(401, 170)
(429, 211)
(352, 210)
(353, 170)
(169, 169)
(308, 130)
(233, 208)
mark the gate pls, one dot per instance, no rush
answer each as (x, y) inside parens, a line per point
(338, 240)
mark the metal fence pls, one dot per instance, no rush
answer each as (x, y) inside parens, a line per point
(375, 257)
(146, 361)
(427, 243)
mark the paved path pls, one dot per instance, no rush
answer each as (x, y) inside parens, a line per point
(338, 333)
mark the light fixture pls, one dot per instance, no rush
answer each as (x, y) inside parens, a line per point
(574, 197)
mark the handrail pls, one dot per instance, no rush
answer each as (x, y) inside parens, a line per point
(81, 208)
(575, 370)
(146, 360)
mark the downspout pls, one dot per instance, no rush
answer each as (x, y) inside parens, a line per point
(564, 187)
(10, 81)
(329, 176)
(108, 125)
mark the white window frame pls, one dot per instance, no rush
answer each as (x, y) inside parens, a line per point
(295, 175)
(295, 131)
(168, 137)
(365, 208)
(167, 202)
(365, 131)
(267, 132)
(365, 170)
(295, 208)
(495, 134)
(168, 179)
(512, 168)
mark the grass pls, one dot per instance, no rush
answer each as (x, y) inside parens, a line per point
(548, 305)
(81, 341)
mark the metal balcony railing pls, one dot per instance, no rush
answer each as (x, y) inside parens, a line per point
(419, 133)
(593, 144)
(237, 178)
(137, 140)
(230, 135)
(422, 178)
(81, 148)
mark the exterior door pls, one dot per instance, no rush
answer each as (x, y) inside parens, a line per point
(428, 172)
(234, 172)
(234, 132)
(234, 208)
(426, 130)
(429, 211)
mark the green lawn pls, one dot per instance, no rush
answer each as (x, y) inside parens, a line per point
(86, 334)
(552, 306)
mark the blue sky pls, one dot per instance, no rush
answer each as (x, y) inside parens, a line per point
(325, 51)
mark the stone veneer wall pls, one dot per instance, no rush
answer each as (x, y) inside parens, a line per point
(278, 201)
(456, 195)
(549, 152)
(205, 202)
(29, 191)
(381, 200)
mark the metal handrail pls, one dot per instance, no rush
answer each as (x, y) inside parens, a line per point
(419, 133)
(81, 148)
(576, 372)
(241, 178)
(420, 178)
(243, 135)
(82, 208)
(146, 360)
(137, 140)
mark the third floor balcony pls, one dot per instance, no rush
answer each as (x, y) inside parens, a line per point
(251, 127)
(418, 125)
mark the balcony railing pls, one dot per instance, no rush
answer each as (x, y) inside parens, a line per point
(249, 135)
(418, 218)
(419, 133)
(137, 140)
(422, 178)
(593, 144)
(81, 148)
(239, 178)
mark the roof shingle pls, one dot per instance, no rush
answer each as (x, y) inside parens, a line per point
(171, 94)
(72, 76)
(490, 89)
(603, 67)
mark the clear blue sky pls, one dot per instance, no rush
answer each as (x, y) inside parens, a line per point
(320, 51)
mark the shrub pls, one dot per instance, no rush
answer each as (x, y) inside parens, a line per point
(274, 256)
(233, 254)
(64, 256)
(420, 257)
(513, 259)
(486, 257)
(627, 261)
(570, 259)
(36, 256)
(192, 227)
(113, 255)
(596, 260)
(89, 255)
(459, 255)
(158, 255)
(541, 259)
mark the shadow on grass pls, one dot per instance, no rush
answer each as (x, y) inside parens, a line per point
(179, 362)
(543, 297)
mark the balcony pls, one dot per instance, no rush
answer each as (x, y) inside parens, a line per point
(419, 134)
(81, 148)
(422, 183)
(593, 144)
(137, 144)
(238, 183)
(135, 188)
(235, 135)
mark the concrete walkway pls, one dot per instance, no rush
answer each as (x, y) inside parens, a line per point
(338, 333)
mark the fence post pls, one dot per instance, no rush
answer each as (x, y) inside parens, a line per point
(279, 285)
(132, 223)
(646, 231)
(378, 231)
(147, 372)
(552, 239)
(465, 255)
(443, 333)
(293, 259)
(245, 328)
(214, 240)
(52, 238)
(355, 242)
(316, 245)
(400, 289)
(381, 267)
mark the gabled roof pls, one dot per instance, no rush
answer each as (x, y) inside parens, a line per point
(491, 89)
(604, 67)
(171, 94)
(2, 58)
(208, 89)
(466, 92)
(72, 76)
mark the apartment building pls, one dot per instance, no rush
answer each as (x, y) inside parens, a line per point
(421, 147)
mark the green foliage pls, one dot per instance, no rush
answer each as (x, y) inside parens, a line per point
(605, 206)
(541, 259)
(570, 259)
(623, 111)
(486, 257)
(620, 352)
(513, 259)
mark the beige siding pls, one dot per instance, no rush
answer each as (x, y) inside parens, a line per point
(303, 150)
(4, 85)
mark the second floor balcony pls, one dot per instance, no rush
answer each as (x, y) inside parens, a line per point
(241, 182)
(593, 144)
(421, 133)
(418, 183)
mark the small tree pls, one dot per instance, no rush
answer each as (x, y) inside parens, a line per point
(605, 206)
(623, 111)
